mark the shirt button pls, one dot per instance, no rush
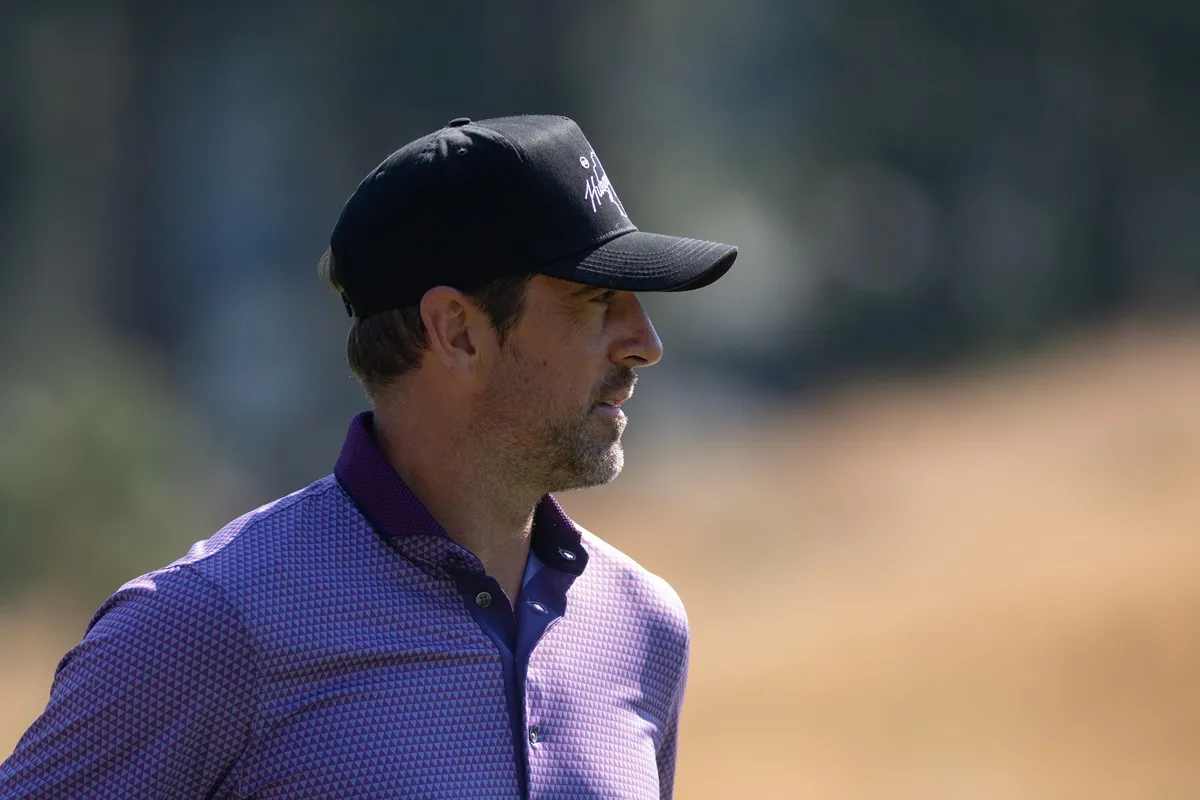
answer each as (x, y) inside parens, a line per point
(535, 735)
(566, 554)
(483, 599)
(538, 607)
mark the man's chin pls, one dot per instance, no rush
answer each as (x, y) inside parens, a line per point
(608, 466)
(615, 464)
(602, 468)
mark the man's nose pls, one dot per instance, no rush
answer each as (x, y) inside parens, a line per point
(640, 345)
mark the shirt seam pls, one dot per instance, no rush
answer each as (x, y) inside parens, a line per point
(256, 521)
(252, 727)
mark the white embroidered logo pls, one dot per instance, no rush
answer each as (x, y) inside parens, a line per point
(598, 187)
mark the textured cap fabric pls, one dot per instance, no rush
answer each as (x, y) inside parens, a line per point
(478, 201)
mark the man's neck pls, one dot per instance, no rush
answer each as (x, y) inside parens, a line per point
(452, 478)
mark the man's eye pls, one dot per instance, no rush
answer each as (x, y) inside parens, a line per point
(605, 297)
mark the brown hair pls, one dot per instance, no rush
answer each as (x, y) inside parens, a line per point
(384, 346)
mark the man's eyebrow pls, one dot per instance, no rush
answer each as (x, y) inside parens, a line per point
(586, 289)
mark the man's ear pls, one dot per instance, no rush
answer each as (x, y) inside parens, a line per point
(455, 329)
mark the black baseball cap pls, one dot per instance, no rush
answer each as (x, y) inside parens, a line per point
(477, 201)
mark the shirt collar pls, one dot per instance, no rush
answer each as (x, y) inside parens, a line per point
(384, 499)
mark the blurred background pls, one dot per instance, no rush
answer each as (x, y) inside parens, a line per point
(925, 467)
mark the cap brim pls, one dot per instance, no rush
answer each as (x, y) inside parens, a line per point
(647, 262)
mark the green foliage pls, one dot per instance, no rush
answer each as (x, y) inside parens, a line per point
(102, 477)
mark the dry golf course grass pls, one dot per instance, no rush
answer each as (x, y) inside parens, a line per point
(976, 586)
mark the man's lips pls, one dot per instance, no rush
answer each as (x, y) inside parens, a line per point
(616, 400)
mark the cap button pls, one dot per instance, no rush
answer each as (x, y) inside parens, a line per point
(458, 122)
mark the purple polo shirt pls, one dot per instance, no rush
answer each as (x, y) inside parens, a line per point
(337, 644)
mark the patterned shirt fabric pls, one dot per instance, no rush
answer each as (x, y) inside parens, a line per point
(337, 644)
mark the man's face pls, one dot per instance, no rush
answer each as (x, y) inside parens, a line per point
(551, 405)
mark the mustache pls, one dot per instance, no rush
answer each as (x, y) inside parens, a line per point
(619, 381)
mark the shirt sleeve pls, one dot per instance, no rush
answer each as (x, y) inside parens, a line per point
(156, 701)
(669, 743)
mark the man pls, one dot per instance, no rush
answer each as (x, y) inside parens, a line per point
(425, 622)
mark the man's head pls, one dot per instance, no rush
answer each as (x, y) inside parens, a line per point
(490, 266)
(536, 368)
(385, 346)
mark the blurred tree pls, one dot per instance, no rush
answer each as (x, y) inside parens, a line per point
(911, 184)
(102, 476)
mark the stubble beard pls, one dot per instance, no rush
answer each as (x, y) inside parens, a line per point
(586, 452)
(548, 453)
(552, 455)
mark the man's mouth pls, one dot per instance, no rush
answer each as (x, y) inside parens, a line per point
(610, 410)
(616, 400)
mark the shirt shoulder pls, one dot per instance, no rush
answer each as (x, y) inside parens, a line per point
(270, 526)
(197, 583)
(638, 590)
(297, 568)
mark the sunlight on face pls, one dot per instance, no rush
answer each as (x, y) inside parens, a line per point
(545, 405)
